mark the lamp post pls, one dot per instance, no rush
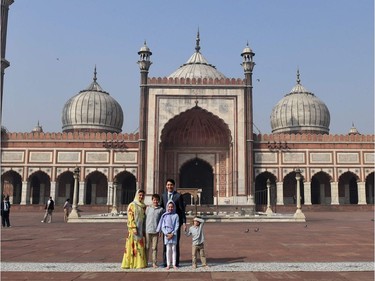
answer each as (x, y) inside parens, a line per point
(269, 211)
(114, 197)
(298, 214)
(74, 213)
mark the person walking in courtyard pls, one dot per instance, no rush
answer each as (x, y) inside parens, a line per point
(135, 254)
(5, 211)
(49, 207)
(172, 194)
(169, 225)
(197, 235)
(153, 214)
(67, 208)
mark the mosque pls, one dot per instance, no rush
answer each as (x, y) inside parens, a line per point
(196, 126)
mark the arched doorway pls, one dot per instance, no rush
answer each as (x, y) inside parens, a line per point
(96, 189)
(65, 187)
(290, 189)
(261, 190)
(11, 185)
(348, 188)
(40, 188)
(197, 173)
(320, 189)
(370, 188)
(203, 134)
(127, 186)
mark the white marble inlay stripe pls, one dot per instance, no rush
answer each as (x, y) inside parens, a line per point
(224, 267)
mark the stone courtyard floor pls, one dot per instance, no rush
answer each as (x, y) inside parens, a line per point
(329, 246)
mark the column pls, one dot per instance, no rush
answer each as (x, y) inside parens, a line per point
(307, 189)
(335, 193)
(24, 193)
(74, 213)
(298, 214)
(279, 193)
(82, 193)
(269, 211)
(109, 193)
(361, 193)
(53, 192)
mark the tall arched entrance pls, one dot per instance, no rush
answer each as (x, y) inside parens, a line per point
(197, 173)
(195, 150)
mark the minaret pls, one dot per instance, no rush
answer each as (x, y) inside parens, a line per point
(248, 66)
(144, 65)
(4, 63)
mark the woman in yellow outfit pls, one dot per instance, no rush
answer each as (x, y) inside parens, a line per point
(135, 253)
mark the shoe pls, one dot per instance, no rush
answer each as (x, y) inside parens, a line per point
(175, 267)
(42, 221)
(194, 266)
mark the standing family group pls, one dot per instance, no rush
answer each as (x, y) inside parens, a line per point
(163, 218)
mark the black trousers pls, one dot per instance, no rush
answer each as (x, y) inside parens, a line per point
(177, 249)
(5, 218)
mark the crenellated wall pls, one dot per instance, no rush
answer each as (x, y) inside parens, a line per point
(195, 81)
(314, 138)
(69, 136)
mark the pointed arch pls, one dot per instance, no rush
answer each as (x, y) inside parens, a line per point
(64, 187)
(321, 188)
(40, 187)
(370, 188)
(96, 188)
(290, 188)
(348, 188)
(11, 185)
(127, 184)
(196, 127)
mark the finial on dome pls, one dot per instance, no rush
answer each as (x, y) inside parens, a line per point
(298, 79)
(95, 74)
(197, 46)
(353, 130)
(38, 128)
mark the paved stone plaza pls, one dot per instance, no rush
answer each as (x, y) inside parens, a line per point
(329, 246)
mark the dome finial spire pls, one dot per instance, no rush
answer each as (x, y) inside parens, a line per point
(197, 46)
(95, 74)
(298, 79)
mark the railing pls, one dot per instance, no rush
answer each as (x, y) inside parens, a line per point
(261, 199)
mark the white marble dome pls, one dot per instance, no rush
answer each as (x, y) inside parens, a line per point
(92, 110)
(300, 111)
(197, 67)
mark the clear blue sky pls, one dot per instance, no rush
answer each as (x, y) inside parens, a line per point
(53, 47)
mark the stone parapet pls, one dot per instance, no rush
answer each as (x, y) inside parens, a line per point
(69, 136)
(313, 138)
(195, 81)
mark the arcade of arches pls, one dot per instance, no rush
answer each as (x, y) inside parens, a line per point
(96, 190)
